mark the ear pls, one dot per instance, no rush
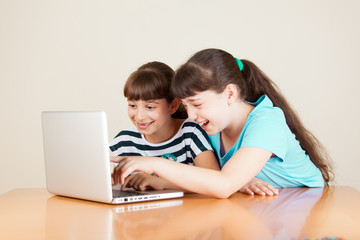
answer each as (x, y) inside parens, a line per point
(174, 105)
(231, 93)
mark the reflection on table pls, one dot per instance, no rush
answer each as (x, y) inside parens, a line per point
(297, 213)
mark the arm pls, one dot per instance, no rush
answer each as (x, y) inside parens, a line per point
(144, 181)
(238, 171)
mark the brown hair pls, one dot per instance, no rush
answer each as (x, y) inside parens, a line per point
(214, 69)
(152, 81)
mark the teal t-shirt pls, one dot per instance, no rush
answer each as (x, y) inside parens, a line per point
(266, 128)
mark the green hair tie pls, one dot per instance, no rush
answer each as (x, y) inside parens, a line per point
(241, 66)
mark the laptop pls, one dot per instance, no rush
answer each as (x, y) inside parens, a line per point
(77, 159)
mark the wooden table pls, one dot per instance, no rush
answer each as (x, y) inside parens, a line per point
(297, 213)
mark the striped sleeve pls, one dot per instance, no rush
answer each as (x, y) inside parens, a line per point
(198, 139)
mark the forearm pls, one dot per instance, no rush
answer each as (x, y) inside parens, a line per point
(172, 186)
(195, 179)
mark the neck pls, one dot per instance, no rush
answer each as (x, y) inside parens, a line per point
(232, 132)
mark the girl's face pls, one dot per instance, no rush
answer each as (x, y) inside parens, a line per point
(150, 117)
(209, 109)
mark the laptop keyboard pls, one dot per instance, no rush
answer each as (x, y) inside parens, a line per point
(124, 193)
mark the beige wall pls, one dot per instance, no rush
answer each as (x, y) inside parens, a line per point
(76, 55)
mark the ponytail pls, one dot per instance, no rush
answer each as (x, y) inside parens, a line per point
(259, 84)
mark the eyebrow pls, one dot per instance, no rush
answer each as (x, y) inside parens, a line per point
(146, 101)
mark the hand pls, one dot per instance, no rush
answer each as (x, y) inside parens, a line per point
(144, 181)
(129, 164)
(259, 187)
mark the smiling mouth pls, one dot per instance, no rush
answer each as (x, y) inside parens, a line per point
(144, 125)
(204, 124)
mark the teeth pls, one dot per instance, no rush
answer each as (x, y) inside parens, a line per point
(202, 123)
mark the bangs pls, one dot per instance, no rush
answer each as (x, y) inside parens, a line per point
(146, 85)
(190, 80)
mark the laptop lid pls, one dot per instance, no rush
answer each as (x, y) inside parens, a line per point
(76, 155)
(77, 160)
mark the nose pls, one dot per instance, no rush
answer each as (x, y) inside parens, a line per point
(140, 114)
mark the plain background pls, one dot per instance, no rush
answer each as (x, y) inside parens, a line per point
(77, 55)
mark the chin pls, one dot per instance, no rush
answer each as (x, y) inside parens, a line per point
(210, 132)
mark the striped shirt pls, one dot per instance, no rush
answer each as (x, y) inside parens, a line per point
(187, 143)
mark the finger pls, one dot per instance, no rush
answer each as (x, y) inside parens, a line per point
(143, 186)
(249, 192)
(115, 176)
(137, 181)
(127, 183)
(117, 173)
(267, 191)
(125, 171)
(258, 191)
(145, 182)
(272, 189)
(267, 188)
(116, 159)
(132, 181)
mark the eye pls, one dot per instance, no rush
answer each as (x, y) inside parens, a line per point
(131, 105)
(150, 107)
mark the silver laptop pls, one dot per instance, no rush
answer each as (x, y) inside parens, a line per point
(77, 160)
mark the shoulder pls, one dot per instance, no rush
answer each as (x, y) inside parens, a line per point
(264, 111)
(269, 122)
(268, 117)
(129, 132)
(126, 135)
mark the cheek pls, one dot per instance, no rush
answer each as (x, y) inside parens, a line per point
(215, 115)
(209, 112)
(161, 115)
(131, 113)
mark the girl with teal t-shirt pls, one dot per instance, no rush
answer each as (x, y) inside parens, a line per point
(253, 130)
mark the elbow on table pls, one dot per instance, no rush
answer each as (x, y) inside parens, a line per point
(222, 196)
(224, 193)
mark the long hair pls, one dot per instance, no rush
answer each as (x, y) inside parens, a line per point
(214, 69)
(152, 81)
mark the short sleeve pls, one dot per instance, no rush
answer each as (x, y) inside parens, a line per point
(267, 132)
(200, 140)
